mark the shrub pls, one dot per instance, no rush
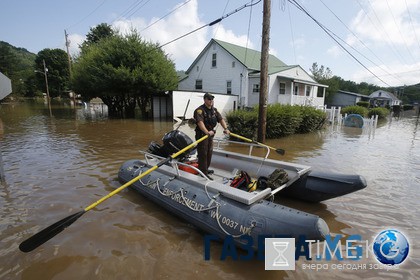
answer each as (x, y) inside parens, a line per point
(355, 110)
(243, 121)
(363, 104)
(408, 107)
(311, 119)
(282, 120)
(381, 112)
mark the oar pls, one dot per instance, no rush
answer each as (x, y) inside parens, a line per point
(279, 151)
(46, 234)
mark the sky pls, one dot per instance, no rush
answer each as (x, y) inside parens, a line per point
(376, 41)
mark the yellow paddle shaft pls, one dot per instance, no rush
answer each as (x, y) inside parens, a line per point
(251, 141)
(93, 205)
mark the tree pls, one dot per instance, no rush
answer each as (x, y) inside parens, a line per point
(18, 65)
(324, 76)
(56, 62)
(320, 73)
(96, 34)
(123, 71)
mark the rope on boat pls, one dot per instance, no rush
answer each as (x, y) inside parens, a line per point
(212, 200)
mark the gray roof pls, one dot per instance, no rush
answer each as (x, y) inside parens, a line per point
(353, 93)
(382, 94)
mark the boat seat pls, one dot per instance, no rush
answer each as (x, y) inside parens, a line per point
(244, 197)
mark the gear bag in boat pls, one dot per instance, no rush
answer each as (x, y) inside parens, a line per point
(241, 180)
(277, 178)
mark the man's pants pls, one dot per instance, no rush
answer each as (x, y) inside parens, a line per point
(204, 153)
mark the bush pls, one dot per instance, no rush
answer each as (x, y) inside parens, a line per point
(408, 107)
(363, 104)
(282, 120)
(312, 119)
(355, 110)
(243, 121)
(381, 112)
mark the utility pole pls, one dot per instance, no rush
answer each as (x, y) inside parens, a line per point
(69, 60)
(262, 113)
(68, 52)
(46, 85)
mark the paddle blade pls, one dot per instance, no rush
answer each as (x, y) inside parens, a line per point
(46, 234)
(280, 151)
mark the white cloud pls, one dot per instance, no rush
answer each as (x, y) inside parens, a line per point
(220, 33)
(75, 41)
(298, 43)
(177, 24)
(389, 24)
(182, 51)
(391, 31)
(335, 51)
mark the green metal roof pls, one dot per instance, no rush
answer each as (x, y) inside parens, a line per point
(252, 58)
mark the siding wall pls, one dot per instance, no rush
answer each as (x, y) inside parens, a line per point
(215, 78)
(5, 86)
(224, 103)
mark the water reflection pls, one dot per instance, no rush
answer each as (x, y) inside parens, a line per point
(55, 166)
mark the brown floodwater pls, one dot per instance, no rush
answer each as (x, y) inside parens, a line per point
(56, 166)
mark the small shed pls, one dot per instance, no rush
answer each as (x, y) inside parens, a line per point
(346, 98)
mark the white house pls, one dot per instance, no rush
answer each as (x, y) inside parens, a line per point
(230, 69)
(383, 98)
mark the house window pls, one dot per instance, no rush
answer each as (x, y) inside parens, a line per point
(198, 84)
(308, 90)
(256, 88)
(282, 89)
(320, 92)
(198, 68)
(233, 64)
(295, 92)
(228, 87)
(214, 60)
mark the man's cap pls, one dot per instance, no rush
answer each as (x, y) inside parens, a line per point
(208, 96)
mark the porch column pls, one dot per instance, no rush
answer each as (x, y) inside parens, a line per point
(291, 92)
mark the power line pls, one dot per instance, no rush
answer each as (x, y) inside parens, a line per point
(339, 19)
(173, 10)
(326, 30)
(94, 10)
(132, 9)
(411, 23)
(250, 4)
(291, 31)
(394, 49)
(399, 31)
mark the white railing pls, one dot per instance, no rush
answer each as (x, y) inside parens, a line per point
(334, 117)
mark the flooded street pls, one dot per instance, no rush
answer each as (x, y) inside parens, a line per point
(56, 166)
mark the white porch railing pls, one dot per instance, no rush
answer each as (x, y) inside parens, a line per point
(307, 100)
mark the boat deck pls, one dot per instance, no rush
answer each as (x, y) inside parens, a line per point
(226, 165)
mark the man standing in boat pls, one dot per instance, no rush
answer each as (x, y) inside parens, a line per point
(207, 117)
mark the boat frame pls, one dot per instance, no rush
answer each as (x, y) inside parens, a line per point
(295, 172)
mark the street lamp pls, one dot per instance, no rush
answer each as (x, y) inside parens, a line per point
(46, 85)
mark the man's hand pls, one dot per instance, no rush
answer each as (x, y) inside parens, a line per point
(226, 131)
(211, 133)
